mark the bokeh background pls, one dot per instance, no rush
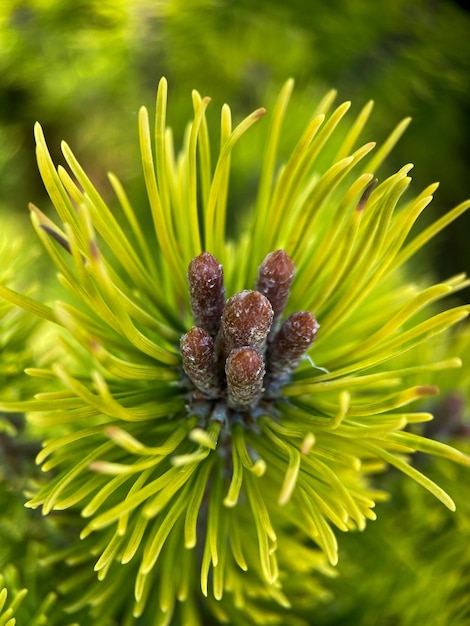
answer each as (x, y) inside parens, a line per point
(83, 68)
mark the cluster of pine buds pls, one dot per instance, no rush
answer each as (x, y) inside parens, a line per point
(239, 354)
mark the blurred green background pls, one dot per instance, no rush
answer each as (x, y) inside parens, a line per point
(83, 68)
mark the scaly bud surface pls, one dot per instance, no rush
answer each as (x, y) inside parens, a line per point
(206, 292)
(227, 356)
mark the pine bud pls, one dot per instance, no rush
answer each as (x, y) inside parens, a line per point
(245, 371)
(275, 276)
(246, 321)
(294, 338)
(206, 292)
(199, 361)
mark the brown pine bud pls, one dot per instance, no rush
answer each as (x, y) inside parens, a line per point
(246, 321)
(206, 292)
(275, 276)
(199, 361)
(292, 341)
(245, 371)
